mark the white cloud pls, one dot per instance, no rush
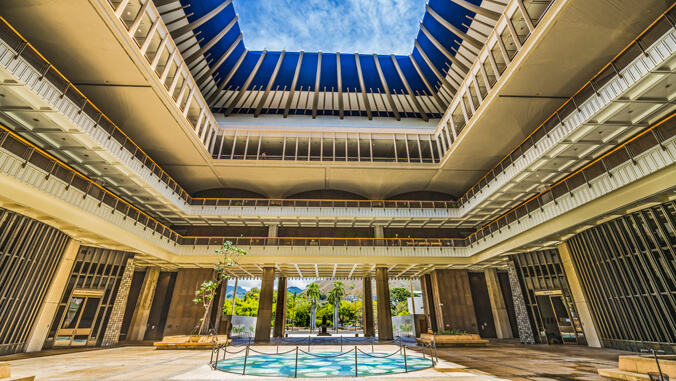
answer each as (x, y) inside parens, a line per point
(366, 26)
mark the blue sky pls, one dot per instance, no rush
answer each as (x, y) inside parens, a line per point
(366, 26)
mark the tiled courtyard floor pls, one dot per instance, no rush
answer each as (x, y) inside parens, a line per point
(500, 360)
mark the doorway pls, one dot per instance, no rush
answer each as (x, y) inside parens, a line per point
(75, 328)
(556, 313)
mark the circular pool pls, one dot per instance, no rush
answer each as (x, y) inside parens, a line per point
(298, 363)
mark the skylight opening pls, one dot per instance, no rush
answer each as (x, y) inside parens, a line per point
(365, 26)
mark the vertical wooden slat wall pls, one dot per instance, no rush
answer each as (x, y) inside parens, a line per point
(30, 252)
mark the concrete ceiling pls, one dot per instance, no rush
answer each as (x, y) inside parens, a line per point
(572, 43)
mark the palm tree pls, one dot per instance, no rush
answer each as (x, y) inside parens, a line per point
(313, 295)
(335, 296)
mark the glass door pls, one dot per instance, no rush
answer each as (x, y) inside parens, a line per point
(566, 327)
(77, 322)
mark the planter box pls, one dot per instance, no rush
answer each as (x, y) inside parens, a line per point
(191, 342)
(637, 367)
(471, 340)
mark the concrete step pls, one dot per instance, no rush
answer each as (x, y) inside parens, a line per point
(6, 374)
(624, 375)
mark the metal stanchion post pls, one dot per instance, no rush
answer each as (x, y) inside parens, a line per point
(372, 344)
(295, 373)
(356, 373)
(405, 363)
(277, 344)
(213, 347)
(423, 345)
(341, 343)
(246, 354)
(308, 343)
(435, 352)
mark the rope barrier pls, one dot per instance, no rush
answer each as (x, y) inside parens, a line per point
(263, 353)
(380, 357)
(328, 356)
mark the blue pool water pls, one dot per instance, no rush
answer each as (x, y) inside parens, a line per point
(324, 364)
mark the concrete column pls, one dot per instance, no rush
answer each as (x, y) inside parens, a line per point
(53, 297)
(112, 334)
(139, 320)
(453, 300)
(280, 308)
(265, 305)
(234, 297)
(367, 305)
(579, 297)
(384, 313)
(500, 316)
(428, 302)
(216, 313)
(522, 319)
(379, 232)
(273, 228)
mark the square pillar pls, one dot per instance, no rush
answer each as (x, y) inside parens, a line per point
(367, 305)
(139, 320)
(452, 298)
(379, 233)
(579, 297)
(500, 316)
(428, 302)
(280, 308)
(53, 297)
(522, 319)
(384, 312)
(265, 305)
(112, 334)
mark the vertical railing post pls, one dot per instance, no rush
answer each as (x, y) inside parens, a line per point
(356, 373)
(435, 352)
(372, 344)
(308, 343)
(213, 347)
(341, 343)
(405, 362)
(246, 354)
(295, 372)
(277, 344)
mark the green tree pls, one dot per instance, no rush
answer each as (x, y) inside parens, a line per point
(397, 295)
(207, 290)
(334, 298)
(401, 308)
(313, 295)
(253, 293)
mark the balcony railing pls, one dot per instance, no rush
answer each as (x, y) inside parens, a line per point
(323, 241)
(309, 203)
(591, 89)
(145, 27)
(503, 44)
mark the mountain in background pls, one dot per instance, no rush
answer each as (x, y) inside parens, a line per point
(293, 289)
(240, 291)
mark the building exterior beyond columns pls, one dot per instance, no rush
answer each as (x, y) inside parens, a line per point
(280, 309)
(522, 319)
(579, 297)
(265, 305)
(53, 297)
(384, 312)
(112, 335)
(453, 300)
(369, 329)
(500, 316)
(139, 320)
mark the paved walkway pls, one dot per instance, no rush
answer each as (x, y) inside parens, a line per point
(500, 360)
